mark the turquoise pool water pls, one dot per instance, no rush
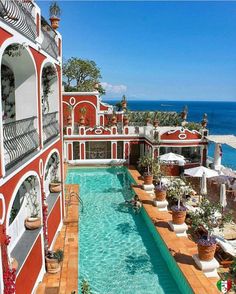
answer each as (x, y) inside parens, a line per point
(117, 251)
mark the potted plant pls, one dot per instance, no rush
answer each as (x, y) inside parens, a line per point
(124, 102)
(33, 221)
(148, 118)
(160, 192)
(155, 123)
(204, 121)
(55, 184)
(53, 261)
(149, 165)
(176, 190)
(207, 217)
(184, 113)
(13, 263)
(83, 111)
(126, 120)
(55, 13)
(114, 119)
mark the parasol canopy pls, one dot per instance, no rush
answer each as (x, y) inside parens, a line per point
(199, 170)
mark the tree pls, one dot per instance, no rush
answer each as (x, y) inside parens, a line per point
(81, 75)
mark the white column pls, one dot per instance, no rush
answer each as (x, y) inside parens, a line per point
(217, 156)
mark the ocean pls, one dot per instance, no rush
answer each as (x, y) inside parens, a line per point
(221, 119)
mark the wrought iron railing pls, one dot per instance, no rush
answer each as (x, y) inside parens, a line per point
(50, 126)
(18, 14)
(49, 43)
(20, 138)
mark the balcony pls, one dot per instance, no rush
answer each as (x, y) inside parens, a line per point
(20, 138)
(19, 15)
(50, 127)
(49, 43)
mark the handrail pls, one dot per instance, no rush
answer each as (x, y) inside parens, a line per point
(19, 15)
(20, 138)
(78, 197)
(49, 43)
(50, 126)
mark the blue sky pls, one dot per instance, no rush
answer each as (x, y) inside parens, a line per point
(155, 50)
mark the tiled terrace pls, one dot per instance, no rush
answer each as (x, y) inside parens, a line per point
(181, 248)
(66, 281)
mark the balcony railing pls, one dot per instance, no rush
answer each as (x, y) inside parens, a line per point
(50, 126)
(20, 139)
(18, 14)
(49, 43)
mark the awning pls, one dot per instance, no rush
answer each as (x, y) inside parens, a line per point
(223, 139)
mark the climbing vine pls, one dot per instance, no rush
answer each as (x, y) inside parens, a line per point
(9, 274)
(8, 93)
(48, 76)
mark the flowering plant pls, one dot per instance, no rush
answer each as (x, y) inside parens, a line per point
(177, 189)
(161, 187)
(209, 216)
(9, 277)
(178, 208)
(207, 242)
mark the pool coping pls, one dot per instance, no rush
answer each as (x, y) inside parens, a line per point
(184, 247)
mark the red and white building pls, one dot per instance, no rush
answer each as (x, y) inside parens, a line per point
(30, 141)
(101, 135)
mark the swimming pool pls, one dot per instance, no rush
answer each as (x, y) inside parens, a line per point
(117, 251)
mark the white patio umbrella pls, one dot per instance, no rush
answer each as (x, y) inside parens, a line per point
(228, 172)
(203, 190)
(199, 170)
(172, 157)
(223, 201)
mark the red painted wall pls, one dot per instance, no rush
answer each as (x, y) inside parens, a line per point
(4, 35)
(54, 221)
(30, 271)
(175, 135)
(90, 116)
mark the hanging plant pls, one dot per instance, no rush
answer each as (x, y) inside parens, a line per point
(8, 91)
(14, 50)
(48, 75)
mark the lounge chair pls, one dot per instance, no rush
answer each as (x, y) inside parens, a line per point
(226, 251)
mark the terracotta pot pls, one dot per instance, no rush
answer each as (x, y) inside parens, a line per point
(126, 121)
(155, 123)
(32, 223)
(52, 265)
(148, 180)
(55, 187)
(160, 195)
(82, 120)
(124, 104)
(114, 120)
(54, 22)
(178, 217)
(14, 263)
(206, 253)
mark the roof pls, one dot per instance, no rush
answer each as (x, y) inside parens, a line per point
(223, 139)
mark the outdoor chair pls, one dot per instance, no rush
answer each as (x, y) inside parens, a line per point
(226, 251)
